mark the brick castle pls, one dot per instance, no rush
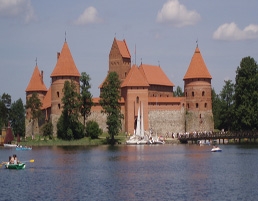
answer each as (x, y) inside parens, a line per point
(145, 85)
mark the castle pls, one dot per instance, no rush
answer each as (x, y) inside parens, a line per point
(145, 86)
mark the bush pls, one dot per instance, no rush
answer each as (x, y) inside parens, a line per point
(93, 130)
(48, 130)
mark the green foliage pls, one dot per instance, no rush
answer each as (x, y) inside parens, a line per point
(34, 104)
(68, 126)
(5, 103)
(216, 109)
(109, 100)
(93, 130)
(178, 92)
(86, 97)
(17, 117)
(47, 130)
(246, 95)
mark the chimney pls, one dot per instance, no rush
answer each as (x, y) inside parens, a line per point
(58, 55)
(42, 76)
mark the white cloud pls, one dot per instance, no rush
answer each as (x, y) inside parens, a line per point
(232, 32)
(89, 16)
(177, 14)
(17, 8)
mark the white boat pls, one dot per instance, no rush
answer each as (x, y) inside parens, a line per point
(216, 149)
(10, 145)
(139, 137)
(203, 142)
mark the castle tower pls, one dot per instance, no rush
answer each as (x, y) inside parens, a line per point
(135, 92)
(197, 89)
(119, 59)
(36, 85)
(65, 70)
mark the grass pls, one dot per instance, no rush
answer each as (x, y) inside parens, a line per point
(45, 141)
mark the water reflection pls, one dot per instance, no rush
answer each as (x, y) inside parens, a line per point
(166, 172)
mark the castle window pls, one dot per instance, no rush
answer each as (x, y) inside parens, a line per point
(186, 94)
(57, 93)
(192, 93)
(58, 105)
(203, 93)
(188, 105)
(205, 105)
(196, 105)
(137, 99)
(200, 116)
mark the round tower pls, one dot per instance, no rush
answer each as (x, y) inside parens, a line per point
(197, 89)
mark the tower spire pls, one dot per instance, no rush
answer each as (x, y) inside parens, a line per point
(65, 36)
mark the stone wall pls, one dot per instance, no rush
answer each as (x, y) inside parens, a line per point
(199, 122)
(163, 121)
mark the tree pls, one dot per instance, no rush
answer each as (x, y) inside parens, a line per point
(109, 100)
(216, 109)
(68, 125)
(48, 130)
(93, 130)
(178, 92)
(34, 104)
(246, 95)
(86, 97)
(5, 103)
(226, 106)
(17, 117)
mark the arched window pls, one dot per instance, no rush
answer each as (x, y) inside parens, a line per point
(205, 105)
(203, 93)
(193, 93)
(137, 99)
(197, 105)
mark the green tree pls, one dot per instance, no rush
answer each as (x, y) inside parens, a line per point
(17, 117)
(109, 100)
(216, 108)
(246, 95)
(5, 103)
(93, 130)
(68, 126)
(226, 106)
(47, 130)
(86, 97)
(178, 92)
(34, 104)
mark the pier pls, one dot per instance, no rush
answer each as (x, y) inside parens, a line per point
(220, 137)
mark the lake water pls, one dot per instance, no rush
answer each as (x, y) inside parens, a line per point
(155, 172)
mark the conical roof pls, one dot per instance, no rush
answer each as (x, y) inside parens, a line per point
(65, 65)
(135, 78)
(36, 82)
(197, 67)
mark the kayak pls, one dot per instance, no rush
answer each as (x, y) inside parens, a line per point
(19, 166)
(23, 148)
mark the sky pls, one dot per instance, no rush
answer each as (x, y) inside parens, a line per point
(157, 32)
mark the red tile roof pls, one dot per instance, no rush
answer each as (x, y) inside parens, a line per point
(197, 67)
(36, 82)
(122, 46)
(47, 100)
(155, 75)
(65, 65)
(135, 78)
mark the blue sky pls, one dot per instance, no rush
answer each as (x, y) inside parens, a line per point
(164, 33)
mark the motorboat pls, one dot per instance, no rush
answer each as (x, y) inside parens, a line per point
(216, 149)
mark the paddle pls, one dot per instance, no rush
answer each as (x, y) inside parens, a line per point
(31, 161)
